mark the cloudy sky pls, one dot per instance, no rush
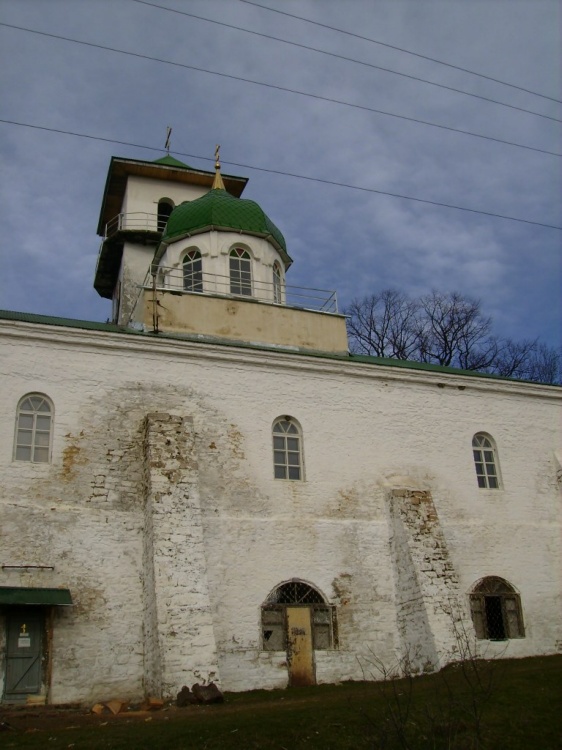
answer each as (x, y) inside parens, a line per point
(351, 235)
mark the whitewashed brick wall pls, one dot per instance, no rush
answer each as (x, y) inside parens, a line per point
(126, 536)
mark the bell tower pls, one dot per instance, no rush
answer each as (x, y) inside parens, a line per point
(138, 199)
(183, 253)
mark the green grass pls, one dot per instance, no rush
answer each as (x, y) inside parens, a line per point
(521, 712)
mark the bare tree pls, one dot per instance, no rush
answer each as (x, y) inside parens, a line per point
(384, 325)
(454, 332)
(546, 365)
(514, 357)
(445, 329)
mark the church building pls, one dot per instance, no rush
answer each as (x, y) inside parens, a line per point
(211, 487)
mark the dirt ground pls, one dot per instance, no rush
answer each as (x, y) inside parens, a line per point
(36, 718)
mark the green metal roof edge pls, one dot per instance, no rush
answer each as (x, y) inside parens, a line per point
(201, 339)
(21, 595)
(53, 320)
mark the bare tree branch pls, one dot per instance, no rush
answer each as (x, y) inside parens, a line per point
(445, 329)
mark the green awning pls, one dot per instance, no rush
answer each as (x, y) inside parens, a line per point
(16, 595)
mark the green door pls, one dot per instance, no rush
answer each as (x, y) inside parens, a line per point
(24, 649)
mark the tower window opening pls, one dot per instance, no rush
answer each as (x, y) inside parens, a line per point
(165, 208)
(240, 272)
(277, 283)
(193, 272)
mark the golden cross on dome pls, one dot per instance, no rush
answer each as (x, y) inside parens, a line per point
(218, 184)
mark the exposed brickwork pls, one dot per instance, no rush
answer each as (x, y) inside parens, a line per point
(180, 643)
(427, 588)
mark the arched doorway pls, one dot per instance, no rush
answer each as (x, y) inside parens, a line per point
(165, 208)
(297, 619)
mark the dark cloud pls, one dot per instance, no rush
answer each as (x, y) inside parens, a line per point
(353, 241)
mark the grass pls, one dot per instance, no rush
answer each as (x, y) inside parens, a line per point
(521, 712)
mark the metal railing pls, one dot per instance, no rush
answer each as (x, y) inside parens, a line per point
(135, 221)
(173, 280)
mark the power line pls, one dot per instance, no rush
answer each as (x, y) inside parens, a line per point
(285, 89)
(347, 59)
(401, 49)
(287, 174)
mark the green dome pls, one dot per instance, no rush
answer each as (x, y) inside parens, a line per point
(217, 209)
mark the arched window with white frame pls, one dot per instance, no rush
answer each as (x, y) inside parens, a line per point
(486, 461)
(193, 271)
(287, 449)
(34, 429)
(240, 272)
(277, 283)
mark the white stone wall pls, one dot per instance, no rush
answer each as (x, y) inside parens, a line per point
(143, 194)
(368, 431)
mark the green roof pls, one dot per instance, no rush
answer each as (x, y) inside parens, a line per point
(170, 162)
(217, 209)
(17, 595)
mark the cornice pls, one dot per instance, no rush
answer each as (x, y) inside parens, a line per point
(131, 343)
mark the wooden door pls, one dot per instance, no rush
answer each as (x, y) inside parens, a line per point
(24, 651)
(300, 654)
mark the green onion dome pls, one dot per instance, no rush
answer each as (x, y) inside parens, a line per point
(219, 210)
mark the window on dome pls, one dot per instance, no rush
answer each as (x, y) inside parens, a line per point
(486, 461)
(240, 272)
(193, 272)
(165, 208)
(495, 607)
(277, 283)
(287, 449)
(34, 425)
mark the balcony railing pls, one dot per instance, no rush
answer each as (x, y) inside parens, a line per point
(135, 221)
(173, 280)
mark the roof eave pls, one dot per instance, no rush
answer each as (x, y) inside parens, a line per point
(120, 169)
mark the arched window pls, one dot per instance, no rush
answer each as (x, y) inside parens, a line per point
(486, 461)
(193, 272)
(34, 428)
(289, 595)
(277, 283)
(240, 272)
(287, 449)
(496, 610)
(165, 208)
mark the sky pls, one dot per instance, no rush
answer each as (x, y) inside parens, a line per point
(344, 229)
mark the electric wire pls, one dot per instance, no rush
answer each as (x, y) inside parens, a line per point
(348, 59)
(288, 174)
(318, 97)
(402, 49)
